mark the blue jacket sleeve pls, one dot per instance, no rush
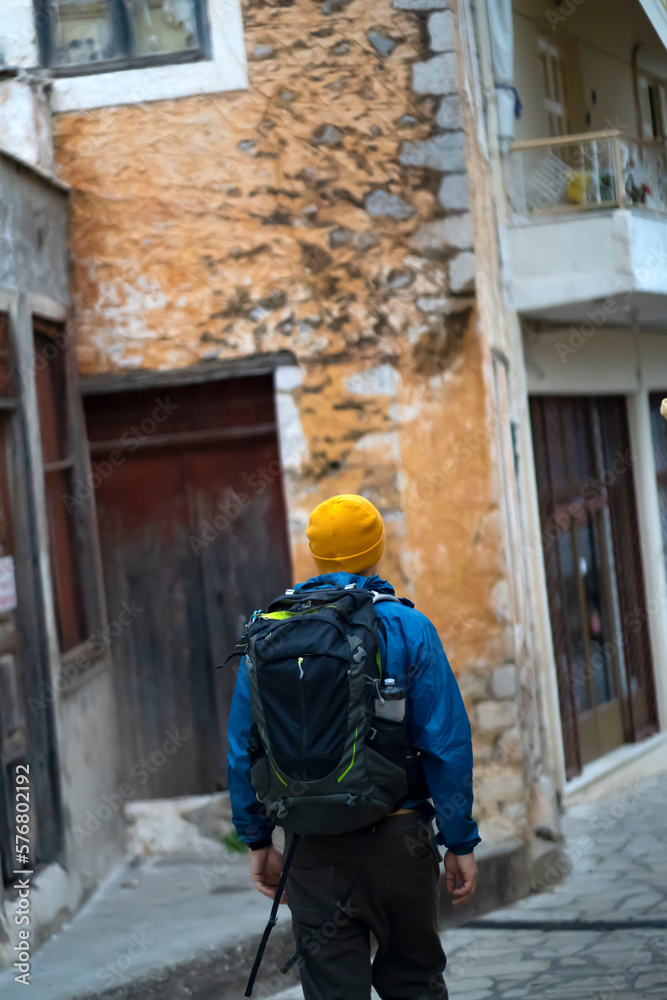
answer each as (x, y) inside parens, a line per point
(248, 813)
(439, 727)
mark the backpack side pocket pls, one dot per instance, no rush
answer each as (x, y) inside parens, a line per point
(259, 764)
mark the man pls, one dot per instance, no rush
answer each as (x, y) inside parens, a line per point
(387, 874)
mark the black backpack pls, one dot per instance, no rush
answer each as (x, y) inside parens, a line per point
(320, 761)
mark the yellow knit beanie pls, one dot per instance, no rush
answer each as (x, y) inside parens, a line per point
(345, 533)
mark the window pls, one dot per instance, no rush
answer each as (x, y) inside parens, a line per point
(653, 108)
(554, 87)
(92, 36)
(59, 481)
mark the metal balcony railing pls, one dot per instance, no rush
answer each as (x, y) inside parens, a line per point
(582, 173)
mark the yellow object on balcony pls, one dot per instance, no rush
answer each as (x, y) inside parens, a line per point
(663, 408)
(578, 186)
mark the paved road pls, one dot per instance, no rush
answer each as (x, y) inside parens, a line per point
(602, 933)
(182, 927)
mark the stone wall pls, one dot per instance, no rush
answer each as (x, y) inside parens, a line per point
(325, 211)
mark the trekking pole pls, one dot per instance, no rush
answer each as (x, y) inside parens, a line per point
(273, 919)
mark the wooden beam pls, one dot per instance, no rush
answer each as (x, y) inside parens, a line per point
(182, 438)
(205, 371)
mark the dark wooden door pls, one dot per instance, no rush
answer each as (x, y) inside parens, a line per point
(590, 540)
(193, 536)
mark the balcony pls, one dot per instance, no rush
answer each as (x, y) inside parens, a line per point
(587, 222)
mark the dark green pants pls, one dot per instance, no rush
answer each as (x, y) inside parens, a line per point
(394, 870)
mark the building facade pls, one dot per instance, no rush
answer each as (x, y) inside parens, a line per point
(58, 725)
(314, 251)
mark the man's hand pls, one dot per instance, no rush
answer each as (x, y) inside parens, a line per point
(265, 868)
(460, 868)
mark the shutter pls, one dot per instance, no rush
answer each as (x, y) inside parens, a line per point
(662, 104)
(645, 108)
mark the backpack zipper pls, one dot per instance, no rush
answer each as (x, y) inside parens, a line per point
(303, 706)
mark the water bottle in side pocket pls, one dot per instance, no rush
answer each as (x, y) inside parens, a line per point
(390, 701)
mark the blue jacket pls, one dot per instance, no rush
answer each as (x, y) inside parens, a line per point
(436, 717)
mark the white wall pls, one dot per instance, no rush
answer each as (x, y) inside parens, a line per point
(559, 261)
(529, 81)
(600, 36)
(18, 38)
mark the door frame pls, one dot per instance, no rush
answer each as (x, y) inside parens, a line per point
(204, 373)
(633, 718)
(617, 361)
(32, 623)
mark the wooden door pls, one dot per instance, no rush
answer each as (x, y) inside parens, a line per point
(193, 536)
(594, 574)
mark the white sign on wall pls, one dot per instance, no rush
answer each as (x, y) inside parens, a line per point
(7, 584)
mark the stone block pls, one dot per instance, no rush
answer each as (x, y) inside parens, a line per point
(442, 234)
(517, 812)
(495, 716)
(442, 30)
(503, 681)
(430, 237)
(328, 135)
(462, 272)
(367, 240)
(380, 381)
(380, 203)
(287, 378)
(262, 52)
(438, 75)
(432, 304)
(454, 192)
(340, 236)
(382, 44)
(509, 748)
(449, 113)
(458, 231)
(442, 152)
(422, 4)
(471, 685)
(504, 787)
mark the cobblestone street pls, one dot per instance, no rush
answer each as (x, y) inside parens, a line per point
(599, 935)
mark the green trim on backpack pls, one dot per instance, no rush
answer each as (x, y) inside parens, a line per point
(354, 751)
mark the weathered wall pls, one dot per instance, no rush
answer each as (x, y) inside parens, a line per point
(34, 278)
(25, 121)
(33, 233)
(324, 211)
